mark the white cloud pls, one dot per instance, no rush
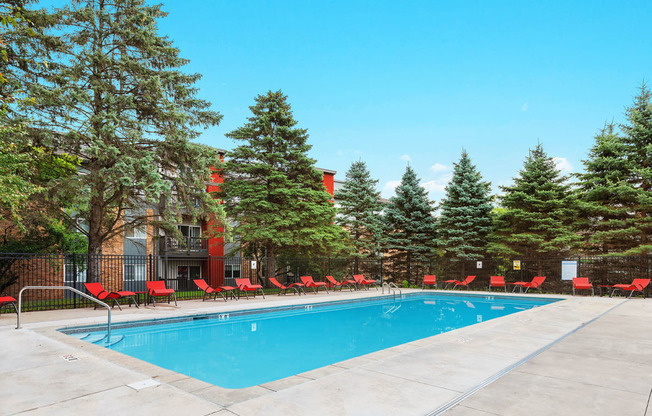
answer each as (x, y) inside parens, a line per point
(524, 107)
(406, 158)
(438, 167)
(563, 164)
(434, 186)
(388, 189)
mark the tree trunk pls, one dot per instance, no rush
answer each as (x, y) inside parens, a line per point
(270, 254)
(95, 237)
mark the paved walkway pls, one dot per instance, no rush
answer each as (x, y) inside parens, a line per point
(602, 368)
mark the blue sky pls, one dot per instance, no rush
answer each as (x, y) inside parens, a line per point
(389, 82)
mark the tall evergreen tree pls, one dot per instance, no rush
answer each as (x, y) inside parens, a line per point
(637, 136)
(465, 221)
(608, 201)
(272, 190)
(360, 210)
(111, 95)
(539, 210)
(409, 225)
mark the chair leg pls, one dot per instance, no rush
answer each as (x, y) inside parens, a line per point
(175, 299)
(134, 299)
(220, 293)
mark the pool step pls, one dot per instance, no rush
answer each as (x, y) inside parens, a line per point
(114, 340)
(94, 338)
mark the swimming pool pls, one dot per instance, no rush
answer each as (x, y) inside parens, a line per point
(246, 348)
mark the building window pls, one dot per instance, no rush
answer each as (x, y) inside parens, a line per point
(231, 271)
(188, 272)
(135, 232)
(189, 230)
(134, 272)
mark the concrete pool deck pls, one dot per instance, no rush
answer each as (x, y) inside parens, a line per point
(579, 356)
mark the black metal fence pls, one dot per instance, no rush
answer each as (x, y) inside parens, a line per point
(131, 272)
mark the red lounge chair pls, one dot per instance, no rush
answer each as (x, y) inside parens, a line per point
(361, 281)
(534, 284)
(463, 283)
(582, 283)
(308, 282)
(284, 289)
(8, 300)
(335, 283)
(245, 285)
(97, 290)
(637, 286)
(429, 280)
(202, 285)
(497, 281)
(157, 288)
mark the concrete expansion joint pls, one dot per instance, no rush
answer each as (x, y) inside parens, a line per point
(456, 401)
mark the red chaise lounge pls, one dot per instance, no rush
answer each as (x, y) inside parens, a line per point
(637, 286)
(157, 288)
(361, 281)
(582, 283)
(245, 285)
(343, 283)
(97, 290)
(284, 289)
(308, 282)
(463, 283)
(8, 300)
(208, 291)
(497, 281)
(536, 283)
(429, 280)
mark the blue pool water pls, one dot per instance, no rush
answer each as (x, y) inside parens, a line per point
(236, 350)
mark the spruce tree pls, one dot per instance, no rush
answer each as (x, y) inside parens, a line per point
(272, 190)
(108, 91)
(360, 210)
(409, 225)
(465, 221)
(637, 136)
(608, 201)
(539, 211)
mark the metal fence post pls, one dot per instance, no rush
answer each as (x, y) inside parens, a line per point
(74, 270)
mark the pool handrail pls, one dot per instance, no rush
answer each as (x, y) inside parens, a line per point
(394, 289)
(72, 289)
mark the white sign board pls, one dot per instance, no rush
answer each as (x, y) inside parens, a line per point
(568, 269)
(253, 264)
(479, 265)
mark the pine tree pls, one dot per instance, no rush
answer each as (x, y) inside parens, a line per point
(360, 210)
(465, 221)
(108, 92)
(409, 225)
(637, 136)
(272, 190)
(539, 210)
(608, 202)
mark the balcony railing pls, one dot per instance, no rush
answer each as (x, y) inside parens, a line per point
(191, 246)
